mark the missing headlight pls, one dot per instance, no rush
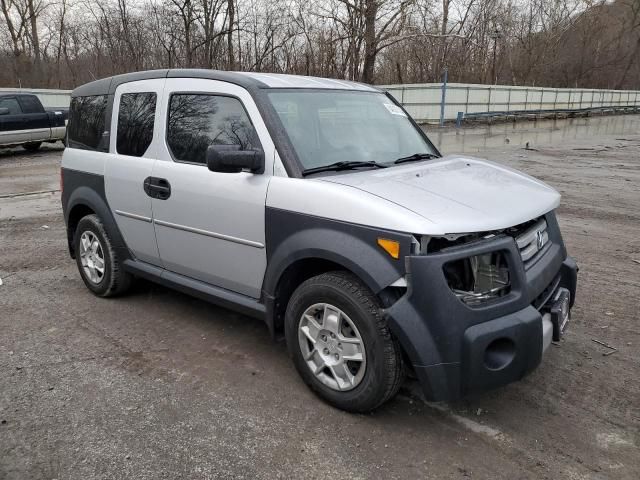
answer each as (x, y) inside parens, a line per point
(478, 279)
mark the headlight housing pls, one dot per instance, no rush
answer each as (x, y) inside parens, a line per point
(479, 279)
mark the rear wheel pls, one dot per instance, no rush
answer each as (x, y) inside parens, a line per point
(97, 260)
(31, 146)
(341, 344)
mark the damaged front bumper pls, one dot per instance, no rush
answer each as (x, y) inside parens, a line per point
(456, 349)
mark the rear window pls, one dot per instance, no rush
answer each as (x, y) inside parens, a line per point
(30, 104)
(135, 123)
(86, 122)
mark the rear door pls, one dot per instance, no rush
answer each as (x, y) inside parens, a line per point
(36, 119)
(211, 225)
(133, 147)
(13, 128)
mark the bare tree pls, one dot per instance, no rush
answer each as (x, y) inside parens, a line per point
(590, 43)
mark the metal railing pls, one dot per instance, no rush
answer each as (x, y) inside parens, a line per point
(430, 102)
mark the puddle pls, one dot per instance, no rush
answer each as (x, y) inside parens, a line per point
(608, 440)
(539, 132)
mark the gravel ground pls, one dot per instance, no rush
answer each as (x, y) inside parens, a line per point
(159, 385)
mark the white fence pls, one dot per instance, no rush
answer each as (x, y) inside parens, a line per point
(49, 98)
(423, 101)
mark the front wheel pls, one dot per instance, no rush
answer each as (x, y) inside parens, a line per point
(341, 344)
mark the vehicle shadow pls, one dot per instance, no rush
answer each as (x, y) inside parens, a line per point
(216, 329)
(19, 152)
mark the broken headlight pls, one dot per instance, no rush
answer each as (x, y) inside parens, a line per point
(480, 278)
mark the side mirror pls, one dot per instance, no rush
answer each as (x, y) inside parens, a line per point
(230, 159)
(4, 111)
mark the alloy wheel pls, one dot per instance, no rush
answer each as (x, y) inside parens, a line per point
(332, 347)
(92, 257)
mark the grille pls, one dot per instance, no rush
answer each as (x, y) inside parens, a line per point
(546, 294)
(533, 240)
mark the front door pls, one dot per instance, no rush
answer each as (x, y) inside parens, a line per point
(210, 225)
(13, 125)
(134, 144)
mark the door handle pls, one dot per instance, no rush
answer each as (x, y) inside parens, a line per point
(162, 188)
(155, 187)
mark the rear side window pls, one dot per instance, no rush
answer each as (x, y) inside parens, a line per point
(86, 121)
(12, 104)
(135, 123)
(199, 120)
(30, 104)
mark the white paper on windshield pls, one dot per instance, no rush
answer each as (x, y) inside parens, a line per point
(394, 109)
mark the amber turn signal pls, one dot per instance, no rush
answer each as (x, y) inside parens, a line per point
(390, 246)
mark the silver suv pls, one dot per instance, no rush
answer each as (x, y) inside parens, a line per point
(322, 208)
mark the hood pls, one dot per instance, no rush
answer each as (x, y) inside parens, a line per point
(458, 194)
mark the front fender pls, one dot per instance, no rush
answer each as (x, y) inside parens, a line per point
(293, 236)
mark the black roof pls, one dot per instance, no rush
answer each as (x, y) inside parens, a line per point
(107, 86)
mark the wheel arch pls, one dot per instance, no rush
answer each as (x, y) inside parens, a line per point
(309, 252)
(297, 272)
(76, 214)
(83, 201)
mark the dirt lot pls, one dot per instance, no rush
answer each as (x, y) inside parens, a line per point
(160, 385)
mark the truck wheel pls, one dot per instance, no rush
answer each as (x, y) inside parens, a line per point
(100, 268)
(341, 344)
(32, 146)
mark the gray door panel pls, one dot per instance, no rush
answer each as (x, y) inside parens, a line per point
(124, 181)
(211, 228)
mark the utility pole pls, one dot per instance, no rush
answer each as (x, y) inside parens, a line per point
(443, 101)
(496, 35)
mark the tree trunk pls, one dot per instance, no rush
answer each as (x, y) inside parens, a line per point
(61, 37)
(370, 41)
(442, 54)
(231, 12)
(35, 39)
(12, 31)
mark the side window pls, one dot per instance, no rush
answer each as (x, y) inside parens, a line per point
(12, 104)
(199, 120)
(135, 123)
(30, 104)
(86, 121)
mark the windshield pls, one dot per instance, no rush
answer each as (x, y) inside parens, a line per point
(329, 126)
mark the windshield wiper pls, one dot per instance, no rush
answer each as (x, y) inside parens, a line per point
(342, 166)
(416, 157)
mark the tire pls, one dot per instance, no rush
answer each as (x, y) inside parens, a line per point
(359, 316)
(113, 280)
(32, 146)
